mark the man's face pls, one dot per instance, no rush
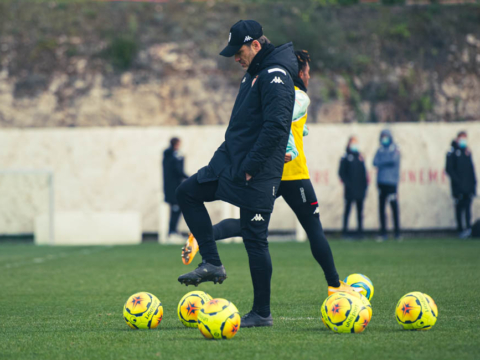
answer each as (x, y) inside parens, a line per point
(462, 141)
(176, 147)
(245, 55)
(305, 75)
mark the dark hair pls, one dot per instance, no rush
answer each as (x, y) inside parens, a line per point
(302, 58)
(174, 141)
(461, 133)
(263, 40)
(350, 139)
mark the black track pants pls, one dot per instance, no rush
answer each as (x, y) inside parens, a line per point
(388, 193)
(191, 197)
(346, 215)
(300, 196)
(463, 204)
(175, 213)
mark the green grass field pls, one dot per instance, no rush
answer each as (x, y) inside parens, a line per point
(66, 302)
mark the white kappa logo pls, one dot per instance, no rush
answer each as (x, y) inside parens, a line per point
(317, 211)
(229, 37)
(258, 217)
(276, 80)
(247, 38)
(243, 80)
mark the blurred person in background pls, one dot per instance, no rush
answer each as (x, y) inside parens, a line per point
(460, 169)
(173, 175)
(353, 174)
(387, 162)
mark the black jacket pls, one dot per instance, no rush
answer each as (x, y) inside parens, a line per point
(461, 171)
(173, 174)
(354, 175)
(257, 135)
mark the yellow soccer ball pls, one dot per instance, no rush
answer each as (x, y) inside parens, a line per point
(367, 304)
(362, 282)
(416, 311)
(218, 319)
(345, 313)
(143, 311)
(190, 305)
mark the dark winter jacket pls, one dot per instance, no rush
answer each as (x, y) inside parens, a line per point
(354, 175)
(173, 174)
(257, 135)
(387, 161)
(461, 171)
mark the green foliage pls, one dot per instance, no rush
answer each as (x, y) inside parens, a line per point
(122, 51)
(400, 31)
(370, 43)
(393, 2)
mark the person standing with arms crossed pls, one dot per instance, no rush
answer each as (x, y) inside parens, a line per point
(461, 171)
(353, 174)
(247, 168)
(387, 161)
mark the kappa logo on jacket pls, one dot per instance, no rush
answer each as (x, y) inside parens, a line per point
(258, 217)
(277, 80)
(247, 38)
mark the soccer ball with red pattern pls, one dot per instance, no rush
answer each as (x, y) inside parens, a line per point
(345, 313)
(143, 311)
(189, 307)
(416, 311)
(218, 319)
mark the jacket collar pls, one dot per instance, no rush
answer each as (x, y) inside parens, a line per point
(255, 66)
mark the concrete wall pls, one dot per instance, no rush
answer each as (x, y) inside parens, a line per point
(118, 170)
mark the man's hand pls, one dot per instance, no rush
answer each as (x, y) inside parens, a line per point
(248, 176)
(288, 157)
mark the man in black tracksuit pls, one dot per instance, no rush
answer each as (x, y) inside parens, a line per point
(353, 174)
(247, 168)
(463, 181)
(173, 175)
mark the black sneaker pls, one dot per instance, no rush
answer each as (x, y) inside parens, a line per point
(204, 272)
(252, 319)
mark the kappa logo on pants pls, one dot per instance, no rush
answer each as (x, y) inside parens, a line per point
(317, 211)
(258, 217)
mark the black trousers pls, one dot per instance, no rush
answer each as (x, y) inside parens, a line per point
(300, 196)
(346, 214)
(175, 213)
(388, 193)
(191, 197)
(463, 205)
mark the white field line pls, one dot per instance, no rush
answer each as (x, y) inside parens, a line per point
(297, 318)
(50, 257)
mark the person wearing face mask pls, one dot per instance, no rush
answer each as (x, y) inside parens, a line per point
(387, 162)
(461, 171)
(353, 174)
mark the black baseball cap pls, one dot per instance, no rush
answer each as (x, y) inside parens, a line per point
(241, 33)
